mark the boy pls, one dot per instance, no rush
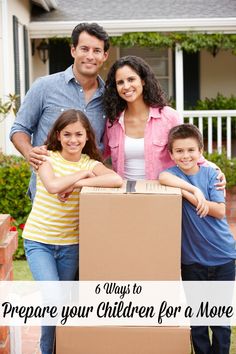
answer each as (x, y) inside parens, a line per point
(208, 247)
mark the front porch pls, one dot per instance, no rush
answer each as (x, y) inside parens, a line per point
(224, 120)
(204, 118)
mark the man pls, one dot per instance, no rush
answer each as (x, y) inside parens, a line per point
(78, 87)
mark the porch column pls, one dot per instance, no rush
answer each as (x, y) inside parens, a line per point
(179, 80)
(6, 124)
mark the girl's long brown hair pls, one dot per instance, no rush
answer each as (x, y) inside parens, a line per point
(69, 117)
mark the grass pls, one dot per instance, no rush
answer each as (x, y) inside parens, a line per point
(22, 272)
(233, 341)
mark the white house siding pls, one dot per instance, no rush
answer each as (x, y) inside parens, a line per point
(21, 9)
(217, 74)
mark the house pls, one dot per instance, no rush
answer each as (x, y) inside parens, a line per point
(186, 76)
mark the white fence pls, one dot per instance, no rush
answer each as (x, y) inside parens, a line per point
(223, 119)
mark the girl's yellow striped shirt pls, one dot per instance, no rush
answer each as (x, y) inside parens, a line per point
(51, 221)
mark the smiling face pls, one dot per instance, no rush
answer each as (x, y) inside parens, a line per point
(88, 55)
(73, 139)
(186, 153)
(129, 85)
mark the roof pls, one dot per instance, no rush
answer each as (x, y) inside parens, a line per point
(118, 17)
(46, 4)
(102, 10)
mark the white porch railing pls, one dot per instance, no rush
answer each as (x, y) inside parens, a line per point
(221, 116)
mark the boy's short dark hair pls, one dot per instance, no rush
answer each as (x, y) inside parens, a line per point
(184, 131)
(94, 30)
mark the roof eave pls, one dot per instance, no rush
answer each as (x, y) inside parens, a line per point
(46, 29)
(47, 5)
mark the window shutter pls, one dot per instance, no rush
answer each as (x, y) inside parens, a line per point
(26, 55)
(16, 56)
(191, 79)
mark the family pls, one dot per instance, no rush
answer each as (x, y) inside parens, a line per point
(71, 121)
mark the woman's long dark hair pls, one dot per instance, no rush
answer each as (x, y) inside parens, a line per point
(153, 94)
(69, 117)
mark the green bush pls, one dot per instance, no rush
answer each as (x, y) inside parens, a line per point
(228, 167)
(14, 179)
(219, 102)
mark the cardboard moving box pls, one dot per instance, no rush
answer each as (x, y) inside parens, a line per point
(130, 233)
(123, 340)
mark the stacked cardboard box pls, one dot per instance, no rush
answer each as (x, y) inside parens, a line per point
(131, 233)
(122, 340)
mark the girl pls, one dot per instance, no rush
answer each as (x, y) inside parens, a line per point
(51, 233)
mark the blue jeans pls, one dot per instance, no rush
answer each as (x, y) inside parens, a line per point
(51, 262)
(220, 334)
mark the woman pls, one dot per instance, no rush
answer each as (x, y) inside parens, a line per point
(138, 120)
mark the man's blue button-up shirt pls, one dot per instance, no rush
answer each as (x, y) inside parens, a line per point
(47, 98)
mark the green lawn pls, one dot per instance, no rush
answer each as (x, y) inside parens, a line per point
(233, 341)
(22, 272)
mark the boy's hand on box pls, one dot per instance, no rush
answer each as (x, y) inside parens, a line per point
(203, 211)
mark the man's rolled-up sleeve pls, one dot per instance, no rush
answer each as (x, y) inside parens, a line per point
(30, 110)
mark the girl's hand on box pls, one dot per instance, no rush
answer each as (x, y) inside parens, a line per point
(63, 197)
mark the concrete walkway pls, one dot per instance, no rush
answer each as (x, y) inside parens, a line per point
(30, 340)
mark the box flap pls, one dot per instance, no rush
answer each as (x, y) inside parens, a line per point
(153, 187)
(134, 187)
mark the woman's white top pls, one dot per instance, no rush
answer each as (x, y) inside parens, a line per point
(134, 164)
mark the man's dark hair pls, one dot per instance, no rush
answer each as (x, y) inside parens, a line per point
(94, 30)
